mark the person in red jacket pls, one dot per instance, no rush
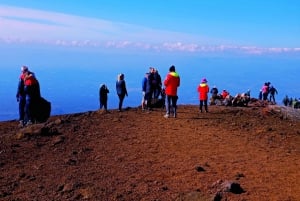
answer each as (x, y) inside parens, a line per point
(28, 94)
(171, 82)
(203, 90)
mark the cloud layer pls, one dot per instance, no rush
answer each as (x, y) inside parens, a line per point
(27, 26)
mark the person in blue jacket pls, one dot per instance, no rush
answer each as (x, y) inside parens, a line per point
(121, 90)
(145, 92)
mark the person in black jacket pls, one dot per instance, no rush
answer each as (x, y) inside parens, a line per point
(273, 91)
(214, 95)
(103, 91)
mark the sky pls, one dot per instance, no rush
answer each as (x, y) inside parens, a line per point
(247, 27)
(214, 38)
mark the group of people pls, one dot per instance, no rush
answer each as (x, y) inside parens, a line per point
(121, 92)
(152, 89)
(217, 97)
(291, 102)
(28, 94)
(266, 91)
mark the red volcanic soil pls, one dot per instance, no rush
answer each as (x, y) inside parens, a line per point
(230, 153)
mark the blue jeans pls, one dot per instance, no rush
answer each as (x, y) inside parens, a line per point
(22, 102)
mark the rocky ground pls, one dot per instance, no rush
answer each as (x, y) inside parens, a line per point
(230, 153)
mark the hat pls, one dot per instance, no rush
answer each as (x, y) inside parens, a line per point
(204, 80)
(172, 68)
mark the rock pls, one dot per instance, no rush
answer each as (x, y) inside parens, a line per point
(233, 187)
(200, 169)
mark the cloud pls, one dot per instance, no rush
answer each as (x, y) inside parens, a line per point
(27, 26)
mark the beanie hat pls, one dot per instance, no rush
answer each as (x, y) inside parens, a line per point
(204, 80)
(172, 68)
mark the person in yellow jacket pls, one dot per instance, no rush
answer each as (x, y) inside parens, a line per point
(171, 82)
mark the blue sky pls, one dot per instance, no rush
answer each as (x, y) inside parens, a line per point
(252, 27)
(236, 44)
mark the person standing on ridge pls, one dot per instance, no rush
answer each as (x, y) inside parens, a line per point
(171, 82)
(203, 90)
(273, 91)
(103, 91)
(145, 91)
(265, 91)
(150, 88)
(157, 85)
(121, 90)
(21, 98)
(28, 94)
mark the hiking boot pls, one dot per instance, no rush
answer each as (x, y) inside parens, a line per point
(166, 116)
(29, 123)
(21, 124)
(174, 115)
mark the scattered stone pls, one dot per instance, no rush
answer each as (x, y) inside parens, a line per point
(58, 121)
(85, 193)
(36, 130)
(165, 188)
(58, 140)
(71, 161)
(233, 187)
(220, 187)
(68, 188)
(239, 175)
(200, 169)
(218, 196)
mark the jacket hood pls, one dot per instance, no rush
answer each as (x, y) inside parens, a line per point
(174, 74)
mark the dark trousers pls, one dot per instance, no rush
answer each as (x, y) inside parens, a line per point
(272, 97)
(121, 99)
(203, 102)
(149, 99)
(103, 103)
(22, 102)
(265, 96)
(171, 104)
